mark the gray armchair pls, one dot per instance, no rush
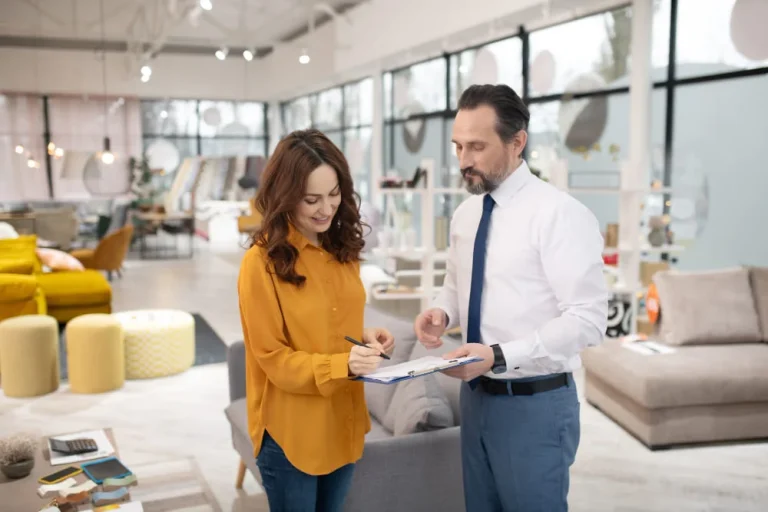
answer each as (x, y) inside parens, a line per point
(412, 471)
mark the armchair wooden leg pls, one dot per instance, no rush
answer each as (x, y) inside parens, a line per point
(240, 475)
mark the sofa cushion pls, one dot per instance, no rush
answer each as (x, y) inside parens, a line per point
(692, 375)
(450, 386)
(378, 431)
(21, 248)
(418, 405)
(16, 266)
(379, 396)
(84, 288)
(759, 280)
(707, 307)
(17, 288)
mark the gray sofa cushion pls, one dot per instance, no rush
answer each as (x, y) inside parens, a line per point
(238, 416)
(759, 281)
(707, 307)
(449, 385)
(418, 405)
(379, 396)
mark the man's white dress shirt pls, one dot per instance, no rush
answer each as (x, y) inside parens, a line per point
(544, 298)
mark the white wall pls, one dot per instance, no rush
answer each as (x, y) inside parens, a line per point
(50, 71)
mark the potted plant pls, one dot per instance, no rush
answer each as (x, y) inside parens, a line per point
(17, 455)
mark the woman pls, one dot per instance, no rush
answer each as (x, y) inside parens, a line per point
(300, 295)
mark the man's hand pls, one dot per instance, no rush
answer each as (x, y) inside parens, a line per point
(469, 371)
(380, 335)
(429, 326)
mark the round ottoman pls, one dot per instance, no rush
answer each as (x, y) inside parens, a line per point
(158, 343)
(29, 355)
(95, 354)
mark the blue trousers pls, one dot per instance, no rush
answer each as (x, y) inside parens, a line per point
(517, 450)
(290, 490)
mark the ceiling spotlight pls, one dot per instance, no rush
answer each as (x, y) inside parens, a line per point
(145, 78)
(222, 53)
(248, 55)
(304, 57)
(146, 70)
(58, 153)
(206, 4)
(19, 149)
(32, 163)
(163, 114)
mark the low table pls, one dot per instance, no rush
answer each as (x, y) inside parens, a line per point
(21, 495)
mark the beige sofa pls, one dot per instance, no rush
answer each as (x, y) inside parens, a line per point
(714, 386)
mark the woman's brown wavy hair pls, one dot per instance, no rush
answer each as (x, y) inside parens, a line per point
(283, 185)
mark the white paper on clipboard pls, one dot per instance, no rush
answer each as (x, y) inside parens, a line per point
(105, 448)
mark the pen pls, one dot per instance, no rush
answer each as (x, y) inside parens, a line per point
(361, 344)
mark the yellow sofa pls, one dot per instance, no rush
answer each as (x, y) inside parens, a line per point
(62, 295)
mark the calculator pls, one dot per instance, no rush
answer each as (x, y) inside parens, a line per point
(74, 446)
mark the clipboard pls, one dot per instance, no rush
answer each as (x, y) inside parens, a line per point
(414, 369)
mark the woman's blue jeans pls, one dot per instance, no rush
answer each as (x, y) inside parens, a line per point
(291, 490)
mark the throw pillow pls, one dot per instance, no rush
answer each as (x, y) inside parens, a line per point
(759, 278)
(22, 248)
(7, 231)
(58, 260)
(707, 307)
(418, 405)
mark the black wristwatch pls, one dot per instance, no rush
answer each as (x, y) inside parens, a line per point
(499, 361)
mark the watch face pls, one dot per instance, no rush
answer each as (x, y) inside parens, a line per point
(499, 369)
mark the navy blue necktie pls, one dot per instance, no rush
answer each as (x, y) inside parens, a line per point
(478, 274)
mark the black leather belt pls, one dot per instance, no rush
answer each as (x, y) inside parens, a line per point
(503, 387)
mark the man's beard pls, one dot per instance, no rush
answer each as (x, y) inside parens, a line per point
(488, 183)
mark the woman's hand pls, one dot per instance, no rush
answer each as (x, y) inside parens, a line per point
(382, 336)
(364, 360)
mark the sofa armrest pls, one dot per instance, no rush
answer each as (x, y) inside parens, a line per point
(236, 367)
(411, 472)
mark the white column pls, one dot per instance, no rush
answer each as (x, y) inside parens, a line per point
(377, 136)
(634, 172)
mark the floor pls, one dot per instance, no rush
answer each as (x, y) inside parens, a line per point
(182, 416)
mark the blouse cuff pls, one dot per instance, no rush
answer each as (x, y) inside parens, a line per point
(340, 366)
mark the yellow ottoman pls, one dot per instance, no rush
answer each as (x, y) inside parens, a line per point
(29, 355)
(158, 343)
(95, 354)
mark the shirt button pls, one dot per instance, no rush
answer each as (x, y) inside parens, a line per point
(334, 309)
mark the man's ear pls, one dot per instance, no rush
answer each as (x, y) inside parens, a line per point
(519, 142)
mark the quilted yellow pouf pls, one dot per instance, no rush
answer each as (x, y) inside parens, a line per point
(29, 355)
(95, 354)
(158, 343)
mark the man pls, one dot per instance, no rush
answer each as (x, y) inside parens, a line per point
(524, 281)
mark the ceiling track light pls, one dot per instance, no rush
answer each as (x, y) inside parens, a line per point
(248, 54)
(206, 5)
(222, 53)
(304, 57)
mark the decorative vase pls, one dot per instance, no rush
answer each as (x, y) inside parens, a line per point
(18, 469)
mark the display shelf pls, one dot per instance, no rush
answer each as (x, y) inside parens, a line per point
(416, 293)
(613, 190)
(643, 248)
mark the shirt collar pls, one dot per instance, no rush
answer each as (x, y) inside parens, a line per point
(295, 237)
(512, 184)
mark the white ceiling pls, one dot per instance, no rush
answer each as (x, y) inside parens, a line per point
(173, 25)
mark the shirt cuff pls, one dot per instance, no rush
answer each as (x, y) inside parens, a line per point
(453, 316)
(340, 366)
(516, 353)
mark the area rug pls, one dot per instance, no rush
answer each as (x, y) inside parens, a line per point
(209, 347)
(171, 486)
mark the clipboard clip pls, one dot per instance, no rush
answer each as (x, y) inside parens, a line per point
(414, 373)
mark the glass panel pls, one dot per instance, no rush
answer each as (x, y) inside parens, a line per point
(716, 36)
(387, 95)
(592, 53)
(715, 205)
(231, 119)
(169, 117)
(185, 147)
(358, 103)
(328, 109)
(592, 135)
(497, 63)
(232, 147)
(21, 124)
(420, 88)
(335, 137)
(357, 149)
(296, 115)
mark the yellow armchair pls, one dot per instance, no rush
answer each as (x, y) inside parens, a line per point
(110, 254)
(249, 224)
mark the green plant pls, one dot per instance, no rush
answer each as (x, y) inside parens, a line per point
(17, 448)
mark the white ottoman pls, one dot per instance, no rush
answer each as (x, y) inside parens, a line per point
(158, 343)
